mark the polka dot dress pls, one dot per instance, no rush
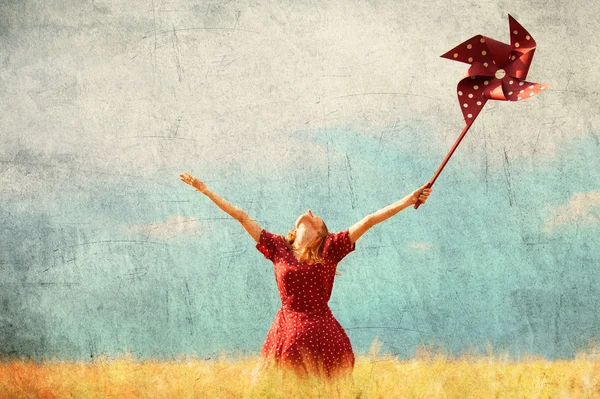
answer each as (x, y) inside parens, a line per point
(305, 337)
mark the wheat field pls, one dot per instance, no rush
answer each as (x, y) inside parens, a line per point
(431, 373)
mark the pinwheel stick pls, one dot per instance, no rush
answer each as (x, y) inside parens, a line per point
(437, 173)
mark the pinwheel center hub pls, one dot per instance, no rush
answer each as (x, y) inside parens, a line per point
(500, 73)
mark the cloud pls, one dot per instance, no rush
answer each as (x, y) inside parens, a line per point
(185, 94)
(581, 208)
(175, 225)
(421, 246)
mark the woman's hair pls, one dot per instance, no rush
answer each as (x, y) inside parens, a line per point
(311, 254)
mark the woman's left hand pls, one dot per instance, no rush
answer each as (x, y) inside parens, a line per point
(421, 194)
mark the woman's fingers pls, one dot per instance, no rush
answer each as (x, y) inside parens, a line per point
(423, 196)
(187, 178)
(424, 189)
(422, 193)
(199, 185)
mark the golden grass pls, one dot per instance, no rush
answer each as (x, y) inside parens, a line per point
(429, 374)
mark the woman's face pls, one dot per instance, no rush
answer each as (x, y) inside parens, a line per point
(310, 221)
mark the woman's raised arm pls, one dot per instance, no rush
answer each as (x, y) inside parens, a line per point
(361, 227)
(251, 226)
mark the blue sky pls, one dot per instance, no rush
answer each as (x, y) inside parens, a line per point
(160, 269)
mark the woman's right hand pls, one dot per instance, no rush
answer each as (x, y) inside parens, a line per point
(192, 181)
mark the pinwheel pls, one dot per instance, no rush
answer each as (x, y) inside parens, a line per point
(497, 72)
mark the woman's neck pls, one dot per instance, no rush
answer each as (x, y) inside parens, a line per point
(303, 238)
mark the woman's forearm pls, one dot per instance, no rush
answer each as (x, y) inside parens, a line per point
(391, 210)
(225, 205)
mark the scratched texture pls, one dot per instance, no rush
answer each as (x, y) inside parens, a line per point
(281, 106)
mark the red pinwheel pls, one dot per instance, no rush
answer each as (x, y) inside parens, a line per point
(497, 72)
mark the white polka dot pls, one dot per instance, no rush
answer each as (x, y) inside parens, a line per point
(518, 98)
(470, 95)
(510, 93)
(513, 58)
(470, 115)
(476, 87)
(482, 40)
(469, 46)
(515, 32)
(521, 83)
(485, 64)
(531, 94)
(455, 55)
(521, 91)
(465, 105)
(517, 44)
(527, 37)
(486, 82)
(483, 52)
(460, 93)
(470, 59)
(478, 102)
(510, 82)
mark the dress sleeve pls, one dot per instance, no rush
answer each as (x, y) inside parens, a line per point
(267, 244)
(337, 246)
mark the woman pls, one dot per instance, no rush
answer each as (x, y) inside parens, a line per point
(305, 336)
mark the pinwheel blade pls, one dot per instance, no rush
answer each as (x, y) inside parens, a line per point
(478, 69)
(519, 37)
(518, 64)
(465, 51)
(480, 49)
(523, 49)
(517, 89)
(498, 52)
(471, 96)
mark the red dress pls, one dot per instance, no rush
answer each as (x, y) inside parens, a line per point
(305, 336)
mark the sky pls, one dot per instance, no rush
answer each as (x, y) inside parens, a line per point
(343, 108)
